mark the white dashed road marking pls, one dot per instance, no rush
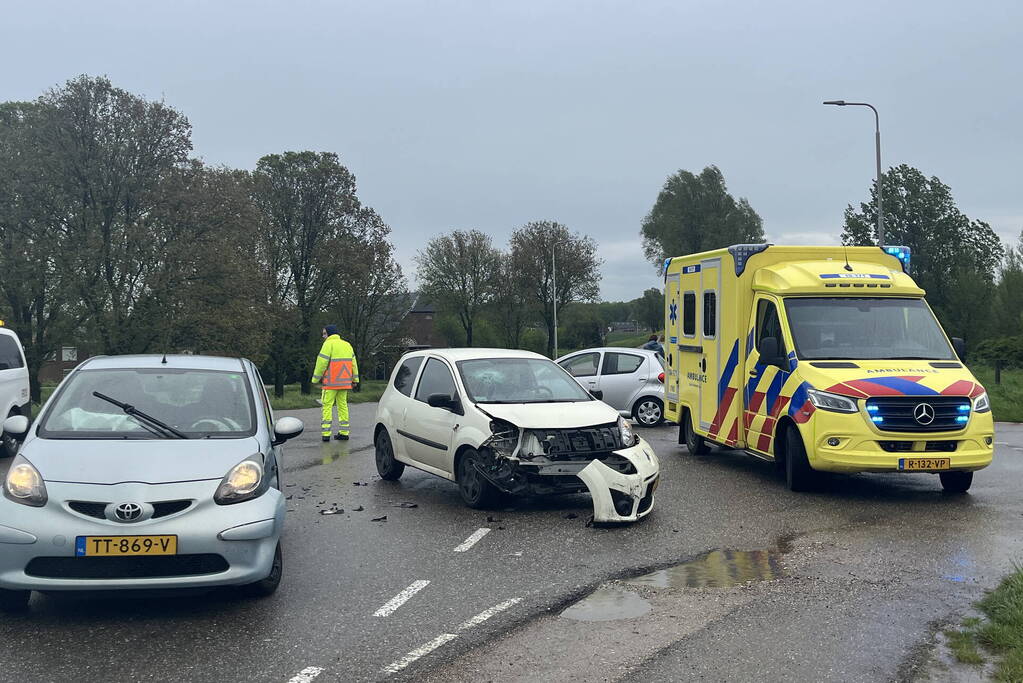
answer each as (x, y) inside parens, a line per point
(445, 638)
(306, 675)
(486, 614)
(472, 540)
(401, 598)
(419, 652)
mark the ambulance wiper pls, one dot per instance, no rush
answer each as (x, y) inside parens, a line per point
(142, 417)
(907, 358)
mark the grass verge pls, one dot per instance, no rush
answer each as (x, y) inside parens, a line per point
(1000, 631)
(1007, 397)
(294, 399)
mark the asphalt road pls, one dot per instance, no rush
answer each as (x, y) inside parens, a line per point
(860, 575)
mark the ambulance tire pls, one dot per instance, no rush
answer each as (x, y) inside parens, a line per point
(798, 474)
(956, 482)
(694, 442)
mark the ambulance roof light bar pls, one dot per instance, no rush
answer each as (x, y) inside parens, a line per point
(901, 253)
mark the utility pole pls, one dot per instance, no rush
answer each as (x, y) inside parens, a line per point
(877, 151)
(554, 298)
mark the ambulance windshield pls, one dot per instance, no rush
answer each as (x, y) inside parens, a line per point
(847, 328)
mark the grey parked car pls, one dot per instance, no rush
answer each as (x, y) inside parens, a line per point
(631, 380)
(146, 472)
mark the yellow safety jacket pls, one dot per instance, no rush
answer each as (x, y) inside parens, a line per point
(336, 367)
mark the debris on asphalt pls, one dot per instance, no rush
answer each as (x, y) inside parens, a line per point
(406, 505)
(358, 509)
(289, 497)
(306, 489)
(589, 522)
(323, 502)
(492, 519)
(332, 511)
(359, 483)
(571, 515)
(380, 519)
(500, 528)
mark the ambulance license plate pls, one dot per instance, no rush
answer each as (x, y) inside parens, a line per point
(924, 464)
(122, 546)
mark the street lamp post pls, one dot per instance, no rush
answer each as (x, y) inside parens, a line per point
(554, 298)
(877, 147)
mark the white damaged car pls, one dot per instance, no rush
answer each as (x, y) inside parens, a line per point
(497, 421)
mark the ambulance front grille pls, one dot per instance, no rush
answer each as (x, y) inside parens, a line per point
(936, 413)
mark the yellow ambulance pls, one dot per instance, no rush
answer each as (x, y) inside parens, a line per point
(819, 359)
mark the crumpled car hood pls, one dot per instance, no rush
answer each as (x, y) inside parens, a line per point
(552, 415)
(151, 461)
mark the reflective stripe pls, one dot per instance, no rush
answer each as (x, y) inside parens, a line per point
(323, 355)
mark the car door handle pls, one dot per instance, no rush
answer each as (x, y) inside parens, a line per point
(753, 372)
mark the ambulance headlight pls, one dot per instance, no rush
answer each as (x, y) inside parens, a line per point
(981, 404)
(833, 402)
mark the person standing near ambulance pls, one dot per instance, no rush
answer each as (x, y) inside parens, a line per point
(337, 372)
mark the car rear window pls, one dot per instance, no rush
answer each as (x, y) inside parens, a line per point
(406, 375)
(10, 355)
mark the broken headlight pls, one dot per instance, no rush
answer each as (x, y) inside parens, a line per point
(629, 438)
(505, 438)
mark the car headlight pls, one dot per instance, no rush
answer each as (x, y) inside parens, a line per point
(982, 404)
(825, 400)
(24, 484)
(504, 439)
(629, 438)
(244, 482)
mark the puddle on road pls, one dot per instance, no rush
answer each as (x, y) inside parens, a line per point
(607, 604)
(716, 569)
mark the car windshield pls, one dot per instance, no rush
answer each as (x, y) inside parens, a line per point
(519, 380)
(842, 328)
(197, 403)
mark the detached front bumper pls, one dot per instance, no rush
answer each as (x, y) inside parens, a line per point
(619, 497)
(217, 545)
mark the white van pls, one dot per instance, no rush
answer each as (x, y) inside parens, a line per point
(14, 396)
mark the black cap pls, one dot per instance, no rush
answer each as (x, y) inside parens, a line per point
(331, 329)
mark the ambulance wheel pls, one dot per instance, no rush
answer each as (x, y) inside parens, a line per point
(956, 482)
(388, 468)
(798, 474)
(694, 442)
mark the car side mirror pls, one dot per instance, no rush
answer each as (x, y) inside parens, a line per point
(770, 354)
(444, 401)
(16, 427)
(597, 394)
(960, 348)
(287, 428)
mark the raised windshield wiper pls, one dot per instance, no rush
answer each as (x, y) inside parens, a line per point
(136, 413)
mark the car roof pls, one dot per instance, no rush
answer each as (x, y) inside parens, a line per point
(472, 354)
(9, 332)
(155, 361)
(622, 349)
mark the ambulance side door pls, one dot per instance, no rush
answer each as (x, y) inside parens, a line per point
(710, 341)
(673, 333)
(766, 381)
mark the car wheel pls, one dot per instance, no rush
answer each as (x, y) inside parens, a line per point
(648, 411)
(798, 474)
(14, 601)
(694, 442)
(387, 467)
(956, 482)
(477, 492)
(268, 586)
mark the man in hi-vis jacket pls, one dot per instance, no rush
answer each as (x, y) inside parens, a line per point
(337, 371)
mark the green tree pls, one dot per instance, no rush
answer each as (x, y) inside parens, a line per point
(309, 205)
(649, 309)
(695, 213)
(954, 257)
(511, 308)
(105, 153)
(578, 269)
(1008, 300)
(461, 273)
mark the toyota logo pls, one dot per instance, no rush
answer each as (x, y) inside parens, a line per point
(923, 413)
(128, 512)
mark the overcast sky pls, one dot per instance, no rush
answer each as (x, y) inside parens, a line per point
(477, 114)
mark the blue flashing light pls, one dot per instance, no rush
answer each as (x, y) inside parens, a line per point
(901, 253)
(873, 408)
(877, 419)
(965, 408)
(962, 418)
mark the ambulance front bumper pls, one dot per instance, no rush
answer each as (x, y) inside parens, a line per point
(842, 443)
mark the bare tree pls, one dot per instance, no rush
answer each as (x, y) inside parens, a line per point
(460, 272)
(536, 249)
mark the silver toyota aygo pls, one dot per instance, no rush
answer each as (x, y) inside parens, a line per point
(146, 472)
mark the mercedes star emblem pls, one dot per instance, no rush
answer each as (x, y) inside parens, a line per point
(923, 413)
(128, 512)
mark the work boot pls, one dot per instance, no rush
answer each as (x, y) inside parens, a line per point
(341, 437)
(326, 439)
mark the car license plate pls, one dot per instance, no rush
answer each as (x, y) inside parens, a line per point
(107, 546)
(924, 464)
